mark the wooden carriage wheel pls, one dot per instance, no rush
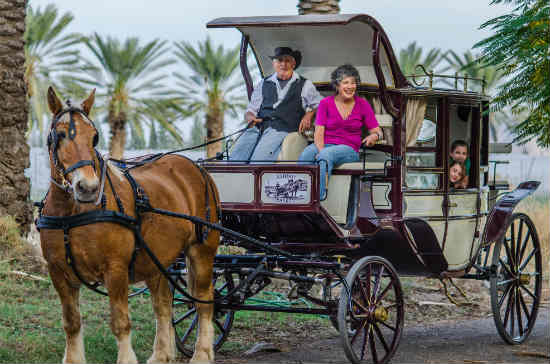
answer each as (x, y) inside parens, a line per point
(371, 323)
(516, 280)
(185, 317)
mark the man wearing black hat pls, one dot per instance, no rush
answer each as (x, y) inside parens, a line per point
(281, 103)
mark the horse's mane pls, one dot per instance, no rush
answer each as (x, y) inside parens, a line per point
(115, 169)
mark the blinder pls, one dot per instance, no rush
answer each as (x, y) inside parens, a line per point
(54, 137)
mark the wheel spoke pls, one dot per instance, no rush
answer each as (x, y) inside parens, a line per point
(388, 326)
(186, 315)
(508, 254)
(367, 281)
(507, 314)
(502, 283)
(189, 329)
(381, 337)
(220, 326)
(366, 296)
(528, 259)
(357, 332)
(360, 305)
(501, 300)
(506, 267)
(512, 312)
(524, 306)
(372, 345)
(518, 243)
(513, 243)
(384, 292)
(377, 282)
(524, 245)
(528, 292)
(365, 337)
(518, 313)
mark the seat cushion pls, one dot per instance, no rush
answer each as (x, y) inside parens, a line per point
(293, 145)
(359, 165)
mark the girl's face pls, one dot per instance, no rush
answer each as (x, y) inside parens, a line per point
(455, 173)
(347, 87)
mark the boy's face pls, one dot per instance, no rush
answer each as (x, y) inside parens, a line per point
(455, 173)
(460, 153)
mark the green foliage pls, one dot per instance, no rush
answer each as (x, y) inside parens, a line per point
(213, 87)
(49, 52)
(412, 55)
(468, 65)
(129, 80)
(519, 48)
(153, 137)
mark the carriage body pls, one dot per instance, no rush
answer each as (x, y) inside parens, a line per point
(369, 202)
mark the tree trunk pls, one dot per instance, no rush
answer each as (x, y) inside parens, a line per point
(117, 122)
(214, 126)
(318, 7)
(15, 187)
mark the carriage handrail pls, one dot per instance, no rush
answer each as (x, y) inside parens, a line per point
(431, 75)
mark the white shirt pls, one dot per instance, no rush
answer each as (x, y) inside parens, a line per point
(310, 96)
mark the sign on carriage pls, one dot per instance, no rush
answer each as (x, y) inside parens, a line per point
(286, 188)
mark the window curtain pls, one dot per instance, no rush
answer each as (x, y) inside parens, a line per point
(385, 119)
(416, 111)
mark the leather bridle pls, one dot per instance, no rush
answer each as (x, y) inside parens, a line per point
(53, 144)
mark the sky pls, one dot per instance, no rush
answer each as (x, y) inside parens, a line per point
(432, 23)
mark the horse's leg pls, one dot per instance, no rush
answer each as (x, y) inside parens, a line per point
(116, 281)
(68, 295)
(200, 259)
(164, 348)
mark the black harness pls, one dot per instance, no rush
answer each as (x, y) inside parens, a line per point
(142, 205)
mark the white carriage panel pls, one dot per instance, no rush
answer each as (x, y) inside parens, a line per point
(423, 206)
(235, 187)
(463, 204)
(336, 203)
(484, 201)
(438, 226)
(285, 188)
(458, 245)
(381, 196)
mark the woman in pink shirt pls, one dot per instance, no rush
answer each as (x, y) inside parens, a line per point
(338, 124)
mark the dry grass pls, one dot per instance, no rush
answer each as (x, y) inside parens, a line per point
(14, 248)
(538, 209)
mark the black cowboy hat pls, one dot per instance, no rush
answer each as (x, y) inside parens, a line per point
(287, 51)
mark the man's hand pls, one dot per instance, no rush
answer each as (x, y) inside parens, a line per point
(305, 124)
(251, 119)
(370, 140)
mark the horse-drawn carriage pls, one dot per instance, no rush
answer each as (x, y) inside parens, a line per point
(390, 215)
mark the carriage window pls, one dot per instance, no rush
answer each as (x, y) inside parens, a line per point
(419, 159)
(422, 181)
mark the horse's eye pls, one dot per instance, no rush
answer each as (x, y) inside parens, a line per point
(61, 135)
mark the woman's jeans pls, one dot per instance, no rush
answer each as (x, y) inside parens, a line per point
(330, 156)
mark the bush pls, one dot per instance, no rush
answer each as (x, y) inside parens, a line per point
(11, 243)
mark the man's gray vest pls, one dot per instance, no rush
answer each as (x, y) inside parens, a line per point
(288, 114)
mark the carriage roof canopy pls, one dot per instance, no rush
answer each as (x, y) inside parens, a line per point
(326, 41)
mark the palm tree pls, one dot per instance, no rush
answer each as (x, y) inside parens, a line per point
(412, 55)
(467, 64)
(318, 7)
(213, 88)
(14, 195)
(49, 51)
(127, 76)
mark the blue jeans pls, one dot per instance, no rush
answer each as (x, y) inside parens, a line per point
(248, 147)
(330, 156)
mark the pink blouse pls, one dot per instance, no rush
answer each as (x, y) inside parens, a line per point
(348, 131)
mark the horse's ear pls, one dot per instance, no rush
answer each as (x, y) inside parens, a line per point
(54, 103)
(88, 103)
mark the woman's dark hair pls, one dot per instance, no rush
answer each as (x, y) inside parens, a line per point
(343, 71)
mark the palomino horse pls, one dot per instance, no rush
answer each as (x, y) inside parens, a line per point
(103, 251)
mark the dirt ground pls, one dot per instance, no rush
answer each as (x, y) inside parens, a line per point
(427, 310)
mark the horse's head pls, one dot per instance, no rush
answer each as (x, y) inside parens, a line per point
(71, 144)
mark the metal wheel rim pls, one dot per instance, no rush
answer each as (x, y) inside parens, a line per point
(514, 302)
(369, 338)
